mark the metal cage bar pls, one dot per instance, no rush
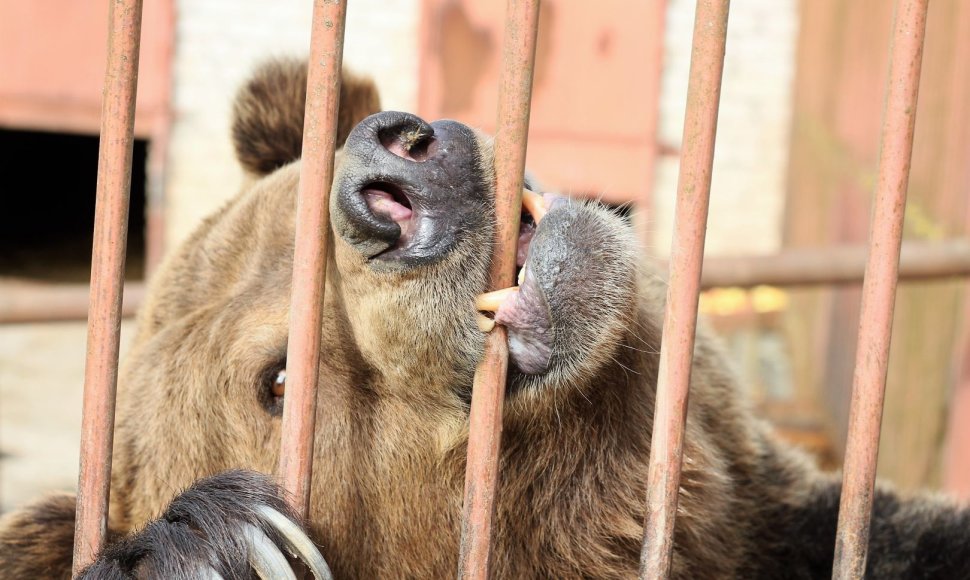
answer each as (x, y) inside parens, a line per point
(882, 271)
(310, 253)
(107, 278)
(919, 260)
(686, 257)
(488, 391)
(879, 290)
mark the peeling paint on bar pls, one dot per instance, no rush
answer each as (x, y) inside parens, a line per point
(488, 391)
(686, 258)
(879, 291)
(310, 254)
(107, 278)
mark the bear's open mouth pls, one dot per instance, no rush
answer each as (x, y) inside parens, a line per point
(389, 200)
(527, 228)
(523, 309)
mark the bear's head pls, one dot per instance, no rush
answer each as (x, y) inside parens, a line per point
(412, 221)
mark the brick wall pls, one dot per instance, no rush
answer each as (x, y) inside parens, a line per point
(748, 190)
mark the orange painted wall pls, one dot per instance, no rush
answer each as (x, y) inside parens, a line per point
(52, 55)
(595, 95)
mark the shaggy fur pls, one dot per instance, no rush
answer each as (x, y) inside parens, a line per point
(267, 117)
(398, 356)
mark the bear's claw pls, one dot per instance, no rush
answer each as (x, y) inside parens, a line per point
(265, 557)
(232, 525)
(296, 542)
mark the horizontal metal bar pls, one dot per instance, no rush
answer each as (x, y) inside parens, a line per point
(23, 301)
(836, 265)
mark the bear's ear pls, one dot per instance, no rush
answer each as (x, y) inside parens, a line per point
(267, 116)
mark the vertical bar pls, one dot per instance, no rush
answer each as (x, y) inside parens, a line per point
(488, 391)
(879, 290)
(310, 254)
(107, 278)
(686, 257)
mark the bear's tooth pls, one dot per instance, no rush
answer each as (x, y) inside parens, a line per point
(490, 301)
(485, 324)
(534, 204)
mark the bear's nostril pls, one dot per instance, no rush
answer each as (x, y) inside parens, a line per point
(410, 145)
(423, 148)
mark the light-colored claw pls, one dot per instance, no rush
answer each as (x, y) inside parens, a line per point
(297, 542)
(534, 204)
(490, 301)
(485, 324)
(265, 558)
(521, 279)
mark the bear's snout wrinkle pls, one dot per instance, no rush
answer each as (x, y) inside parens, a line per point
(406, 189)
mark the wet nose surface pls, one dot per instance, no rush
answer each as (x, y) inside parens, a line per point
(408, 188)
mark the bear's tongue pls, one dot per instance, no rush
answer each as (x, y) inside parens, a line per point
(383, 203)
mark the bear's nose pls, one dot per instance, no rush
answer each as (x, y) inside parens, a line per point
(407, 189)
(403, 135)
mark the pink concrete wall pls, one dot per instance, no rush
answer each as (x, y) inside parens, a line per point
(52, 56)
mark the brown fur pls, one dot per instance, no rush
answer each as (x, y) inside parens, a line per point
(41, 535)
(398, 356)
(267, 116)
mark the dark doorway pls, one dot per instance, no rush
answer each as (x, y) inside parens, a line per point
(47, 198)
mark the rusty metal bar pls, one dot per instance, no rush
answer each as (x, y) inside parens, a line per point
(24, 301)
(879, 290)
(488, 391)
(919, 260)
(686, 257)
(107, 278)
(310, 254)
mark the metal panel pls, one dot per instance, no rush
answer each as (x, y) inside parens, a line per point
(52, 55)
(596, 94)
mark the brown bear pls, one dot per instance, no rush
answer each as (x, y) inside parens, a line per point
(412, 217)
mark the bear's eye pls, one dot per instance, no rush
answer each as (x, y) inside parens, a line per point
(279, 384)
(273, 388)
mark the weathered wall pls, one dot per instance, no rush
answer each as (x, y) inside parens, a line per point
(840, 90)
